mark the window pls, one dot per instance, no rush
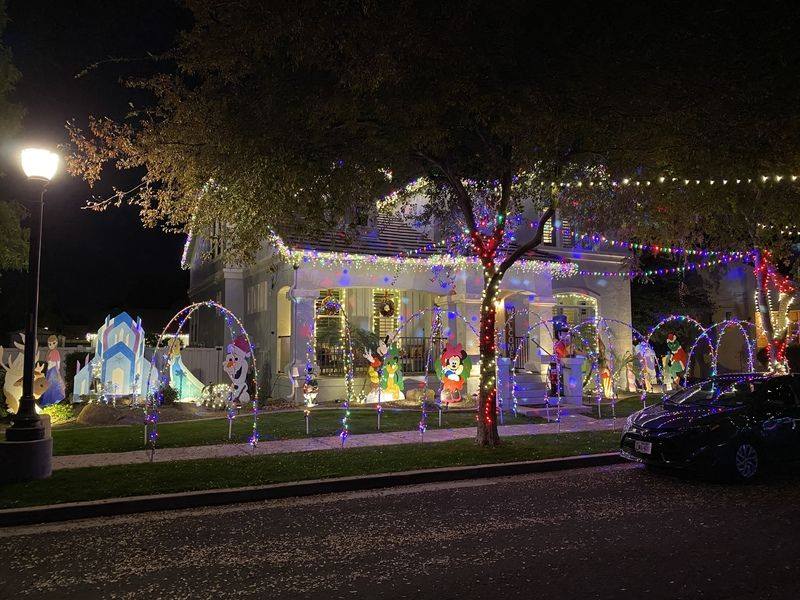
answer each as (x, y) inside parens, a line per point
(576, 307)
(385, 301)
(257, 297)
(329, 327)
(548, 239)
(567, 235)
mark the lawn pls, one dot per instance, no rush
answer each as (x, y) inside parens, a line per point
(277, 425)
(73, 485)
(623, 407)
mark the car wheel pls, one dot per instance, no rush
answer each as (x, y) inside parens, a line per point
(745, 461)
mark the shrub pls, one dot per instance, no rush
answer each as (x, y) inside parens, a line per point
(61, 412)
(168, 395)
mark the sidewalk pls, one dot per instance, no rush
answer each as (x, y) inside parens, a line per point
(570, 423)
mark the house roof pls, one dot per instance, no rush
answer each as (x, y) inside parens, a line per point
(388, 236)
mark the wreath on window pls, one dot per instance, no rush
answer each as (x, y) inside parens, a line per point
(387, 307)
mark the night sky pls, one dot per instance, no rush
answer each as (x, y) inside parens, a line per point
(92, 263)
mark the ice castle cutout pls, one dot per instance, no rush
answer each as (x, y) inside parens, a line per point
(119, 355)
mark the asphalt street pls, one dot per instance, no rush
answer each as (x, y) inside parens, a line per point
(615, 532)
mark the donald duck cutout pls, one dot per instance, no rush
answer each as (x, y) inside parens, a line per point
(237, 368)
(392, 384)
(453, 369)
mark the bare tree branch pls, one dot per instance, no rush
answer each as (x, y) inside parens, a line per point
(461, 194)
(527, 246)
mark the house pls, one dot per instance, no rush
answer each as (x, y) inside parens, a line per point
(279, 299)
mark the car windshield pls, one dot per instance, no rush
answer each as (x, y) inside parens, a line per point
(726, 391)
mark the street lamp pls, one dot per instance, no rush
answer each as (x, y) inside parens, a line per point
(40, 166)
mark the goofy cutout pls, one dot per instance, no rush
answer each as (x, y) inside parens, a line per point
(237, 368)
(453, 370)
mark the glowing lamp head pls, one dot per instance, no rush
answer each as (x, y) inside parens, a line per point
(39, 164)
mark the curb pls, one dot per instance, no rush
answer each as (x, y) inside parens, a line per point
(175, 501)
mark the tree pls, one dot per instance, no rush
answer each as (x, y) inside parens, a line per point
(13, 242)
(317, 108)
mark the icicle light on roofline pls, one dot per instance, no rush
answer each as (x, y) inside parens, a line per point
(299, 256)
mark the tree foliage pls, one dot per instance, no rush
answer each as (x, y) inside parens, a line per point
(296, 115)
(13, 242)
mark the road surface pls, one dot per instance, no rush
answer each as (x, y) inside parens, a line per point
(617, 532)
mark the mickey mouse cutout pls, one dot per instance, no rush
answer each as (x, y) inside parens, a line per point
(453, 370)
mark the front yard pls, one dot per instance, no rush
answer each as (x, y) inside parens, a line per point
(74, 439)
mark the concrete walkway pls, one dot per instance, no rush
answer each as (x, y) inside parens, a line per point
(570, 423)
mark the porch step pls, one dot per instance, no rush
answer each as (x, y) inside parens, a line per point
(529, 388)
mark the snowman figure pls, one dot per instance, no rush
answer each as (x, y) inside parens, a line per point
(236, 367)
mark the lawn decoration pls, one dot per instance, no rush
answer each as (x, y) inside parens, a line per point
(118, 359)
(55, 382)
(605, 368)
(310, 386)
(563, 347)
(391, 380)
(12, 388)
(181, 378)
(647, 364)
(453, 370)
(674, 362)
(237, 368)
(375, 369)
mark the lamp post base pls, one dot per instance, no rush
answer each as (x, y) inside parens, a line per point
(26, 460)
(25, 432)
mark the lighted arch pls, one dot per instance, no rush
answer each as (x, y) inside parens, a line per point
(154, 397)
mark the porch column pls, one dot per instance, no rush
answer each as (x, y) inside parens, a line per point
(303, 319)
(538, 359)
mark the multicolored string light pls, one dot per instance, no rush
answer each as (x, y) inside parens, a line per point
(633, 274)
(597, 239)
(155, 398)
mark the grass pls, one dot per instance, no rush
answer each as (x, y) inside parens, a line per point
(278, 425)
(623, 407)
(94, 483)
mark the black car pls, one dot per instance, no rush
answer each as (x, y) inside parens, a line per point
(728, 424)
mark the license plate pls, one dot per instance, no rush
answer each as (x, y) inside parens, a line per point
(643, 447)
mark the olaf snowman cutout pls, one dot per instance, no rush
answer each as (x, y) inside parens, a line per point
(237, 367)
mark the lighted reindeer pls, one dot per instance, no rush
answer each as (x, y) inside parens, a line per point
(12, 389)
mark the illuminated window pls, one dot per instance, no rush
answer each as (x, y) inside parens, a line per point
(567, 235)
(329, 326)
(548, 239)
(576, 307)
